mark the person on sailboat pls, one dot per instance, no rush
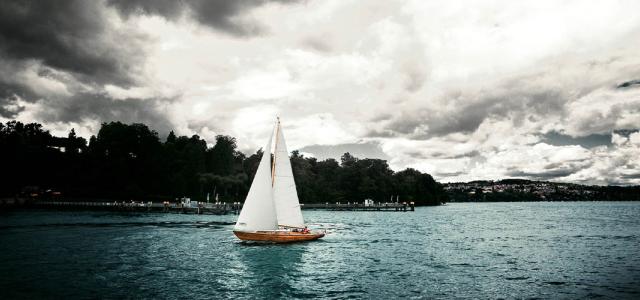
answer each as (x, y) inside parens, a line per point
(305, 230)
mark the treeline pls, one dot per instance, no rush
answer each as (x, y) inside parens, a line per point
(131, 162)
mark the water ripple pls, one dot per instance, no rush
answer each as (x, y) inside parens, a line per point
(494, 250)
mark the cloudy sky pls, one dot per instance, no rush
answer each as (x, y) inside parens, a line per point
(462, 90)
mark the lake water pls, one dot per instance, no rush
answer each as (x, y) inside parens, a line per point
(461, 250)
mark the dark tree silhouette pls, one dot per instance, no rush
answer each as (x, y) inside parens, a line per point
(128, 161)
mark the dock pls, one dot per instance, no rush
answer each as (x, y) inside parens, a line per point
(392, 206)
(219, 208)
(202, 208)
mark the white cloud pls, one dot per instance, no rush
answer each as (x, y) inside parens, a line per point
(602, 111)
(461, 90)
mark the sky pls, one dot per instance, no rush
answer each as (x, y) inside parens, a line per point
(462, 90)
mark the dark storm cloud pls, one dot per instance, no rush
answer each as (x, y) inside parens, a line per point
(470, 111)
(170, 9)
(447, 174)
(9, 107)
(75, 44)
(589, 141)
(72, 36)
(9, 94)
(625, 132)
(546, 175)
(101, 107)
(441, 155)
(446, 155)
(516, 106)
(11, 90)
(551, 170)
(223, 15)
(630, 176)
(632, 83)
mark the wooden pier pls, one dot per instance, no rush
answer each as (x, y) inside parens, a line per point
(361, 207)
(202, 208)
(219, 208)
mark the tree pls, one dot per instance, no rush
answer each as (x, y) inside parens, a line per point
(223, 155)
(128, 161)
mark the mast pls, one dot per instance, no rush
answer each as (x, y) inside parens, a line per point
(273, 166)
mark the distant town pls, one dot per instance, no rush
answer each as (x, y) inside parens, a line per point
(508, 190)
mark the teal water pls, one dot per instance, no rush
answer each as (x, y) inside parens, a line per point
(460, 250)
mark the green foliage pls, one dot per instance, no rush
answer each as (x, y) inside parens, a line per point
(128, 161)
(358, 179)
(222, 156)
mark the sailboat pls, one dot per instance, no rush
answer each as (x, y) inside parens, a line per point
(271, 211)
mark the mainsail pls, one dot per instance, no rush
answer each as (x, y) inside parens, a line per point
(258, 211)
(285, 195)
(272, 202)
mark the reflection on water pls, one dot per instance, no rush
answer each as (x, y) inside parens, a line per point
(270, 270)
(493, 250)
(126, 224)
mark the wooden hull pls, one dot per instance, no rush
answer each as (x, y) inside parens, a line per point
(278, 236)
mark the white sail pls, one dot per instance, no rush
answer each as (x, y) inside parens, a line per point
(285, 195)
(258, 211)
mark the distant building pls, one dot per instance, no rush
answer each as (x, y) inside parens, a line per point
(368, 202)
